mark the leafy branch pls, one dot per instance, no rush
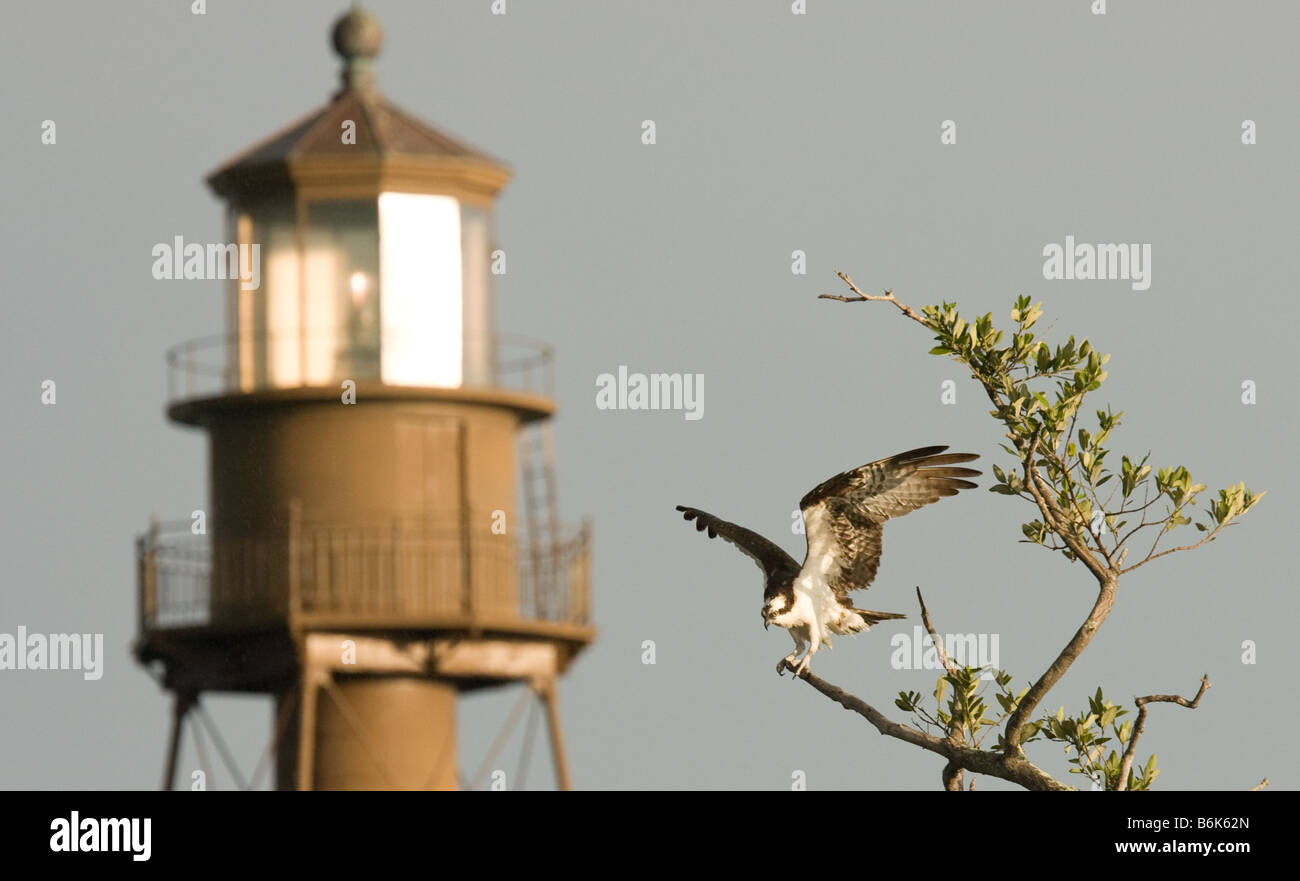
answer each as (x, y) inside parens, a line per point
(1062, 468)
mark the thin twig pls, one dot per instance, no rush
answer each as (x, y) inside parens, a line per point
(934, 637)
(1069, 486)
(888, 297)
(953, 778)
(1126, 763)
(1054, 516)
(1149, 557)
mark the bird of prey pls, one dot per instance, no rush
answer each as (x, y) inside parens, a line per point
(843, 520)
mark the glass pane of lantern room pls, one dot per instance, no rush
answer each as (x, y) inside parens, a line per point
(476, 259)
(420, 236)
(341, 337)
(267, 326)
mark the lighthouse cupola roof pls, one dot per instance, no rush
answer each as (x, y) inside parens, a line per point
(360, 138)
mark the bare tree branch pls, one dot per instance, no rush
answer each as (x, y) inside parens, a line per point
(1012, 768)
(1126, 763)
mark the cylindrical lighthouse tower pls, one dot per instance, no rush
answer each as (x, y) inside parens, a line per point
(362, 558)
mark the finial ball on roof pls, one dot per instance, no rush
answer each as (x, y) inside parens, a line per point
(357, 35)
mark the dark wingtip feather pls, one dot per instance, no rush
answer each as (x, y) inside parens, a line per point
(950, 458)
(920, 453)
(933, 473)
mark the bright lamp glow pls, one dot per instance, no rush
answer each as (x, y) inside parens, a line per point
(420, 286)
(358, 284)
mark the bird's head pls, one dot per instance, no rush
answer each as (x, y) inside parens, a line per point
(772, 607)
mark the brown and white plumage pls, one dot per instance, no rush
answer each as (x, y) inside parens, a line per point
(843, 519)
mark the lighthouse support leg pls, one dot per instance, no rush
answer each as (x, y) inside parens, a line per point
(546, 691)
(180, 708)
(307, 728)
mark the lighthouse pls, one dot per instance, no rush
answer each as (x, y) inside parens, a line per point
(381, 532)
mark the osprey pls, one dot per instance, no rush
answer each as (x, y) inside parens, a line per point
(843, 519)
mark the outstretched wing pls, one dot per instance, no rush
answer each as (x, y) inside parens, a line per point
(844, 516)
(776, 564)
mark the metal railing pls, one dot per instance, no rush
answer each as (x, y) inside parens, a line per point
(391, 572)
(211, 365)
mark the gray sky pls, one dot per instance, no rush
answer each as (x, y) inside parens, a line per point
(775, 133)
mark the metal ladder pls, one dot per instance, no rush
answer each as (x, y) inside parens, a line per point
(536, 448)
